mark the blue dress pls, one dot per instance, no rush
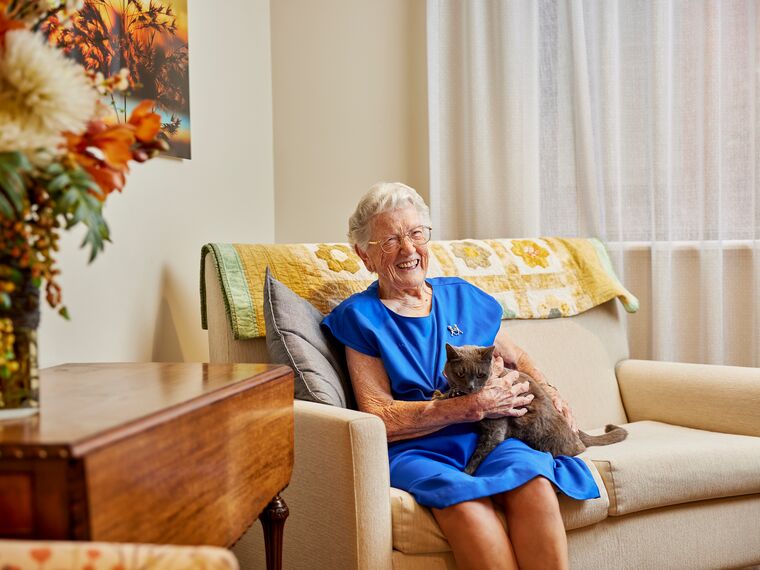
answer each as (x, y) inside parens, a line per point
(412, 350)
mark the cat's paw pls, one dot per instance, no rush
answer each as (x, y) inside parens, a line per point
(438, 395)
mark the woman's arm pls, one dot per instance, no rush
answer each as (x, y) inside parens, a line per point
(516, 357)
(513, 354)
(405, 420)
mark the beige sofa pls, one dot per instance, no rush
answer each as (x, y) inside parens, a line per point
(683, 491)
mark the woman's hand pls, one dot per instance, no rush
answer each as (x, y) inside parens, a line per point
(562, 407)
(501, 396)
(508, 349)
(406, 419)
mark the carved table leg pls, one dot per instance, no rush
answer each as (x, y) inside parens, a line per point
(273, 521)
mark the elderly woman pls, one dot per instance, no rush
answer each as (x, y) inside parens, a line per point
(394, 335)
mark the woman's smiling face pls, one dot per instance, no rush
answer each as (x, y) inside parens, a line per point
(404, 268)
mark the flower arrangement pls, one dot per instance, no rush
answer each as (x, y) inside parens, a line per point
(59, 162)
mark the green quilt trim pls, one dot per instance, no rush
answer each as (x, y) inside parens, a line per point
(237, 297)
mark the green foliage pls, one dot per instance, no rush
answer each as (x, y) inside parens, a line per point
(13, 165)
(78, 199)
(10, 273)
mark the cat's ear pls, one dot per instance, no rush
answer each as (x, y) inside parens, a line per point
(451, 352)
(487, 353)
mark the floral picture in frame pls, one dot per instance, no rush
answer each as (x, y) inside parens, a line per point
(140, 42)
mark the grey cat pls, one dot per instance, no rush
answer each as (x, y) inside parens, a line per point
(468, 368)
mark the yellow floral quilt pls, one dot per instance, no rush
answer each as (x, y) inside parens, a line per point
(531, 278)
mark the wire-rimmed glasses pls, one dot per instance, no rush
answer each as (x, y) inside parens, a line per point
(418, 236)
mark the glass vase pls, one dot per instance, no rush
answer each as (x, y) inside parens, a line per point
(19, 381)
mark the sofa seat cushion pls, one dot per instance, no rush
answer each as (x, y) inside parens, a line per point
(415, 530)
(661, 464)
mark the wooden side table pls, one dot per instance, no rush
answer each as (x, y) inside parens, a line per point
(185, 453)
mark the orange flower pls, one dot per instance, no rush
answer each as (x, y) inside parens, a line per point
(114, 142)
(7, 24)
(104, 151)
(40, 554)
(146, 122)
(107, 178)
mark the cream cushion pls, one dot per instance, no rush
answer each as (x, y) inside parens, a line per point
(415, 530)
(661, 464)
(657, 466)
(671, 538)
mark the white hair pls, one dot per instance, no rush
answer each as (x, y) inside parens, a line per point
(383, 197)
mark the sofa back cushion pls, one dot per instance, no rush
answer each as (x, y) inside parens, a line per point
(578, 355)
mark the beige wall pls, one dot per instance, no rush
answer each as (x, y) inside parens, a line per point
(297, 108)
(350, 108)
(140, 301)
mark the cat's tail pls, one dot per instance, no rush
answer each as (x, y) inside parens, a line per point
(613, 434)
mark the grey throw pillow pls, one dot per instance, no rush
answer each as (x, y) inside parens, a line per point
(295, 338)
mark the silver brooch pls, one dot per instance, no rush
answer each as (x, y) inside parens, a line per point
(454, 330)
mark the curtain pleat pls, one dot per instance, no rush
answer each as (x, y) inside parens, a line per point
(635, 121)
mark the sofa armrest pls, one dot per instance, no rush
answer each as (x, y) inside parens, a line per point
(703, 396)
(338, 497)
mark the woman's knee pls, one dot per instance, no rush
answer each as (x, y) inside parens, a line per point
(476, 535)
(477, 512)
(538, 494)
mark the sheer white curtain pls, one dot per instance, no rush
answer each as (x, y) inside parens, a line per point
(637, 122)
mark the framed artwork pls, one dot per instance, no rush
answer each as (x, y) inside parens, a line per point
(149, 38)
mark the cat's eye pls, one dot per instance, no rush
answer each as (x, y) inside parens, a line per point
(481, 375)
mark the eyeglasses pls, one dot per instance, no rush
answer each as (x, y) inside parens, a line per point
(418, 236)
